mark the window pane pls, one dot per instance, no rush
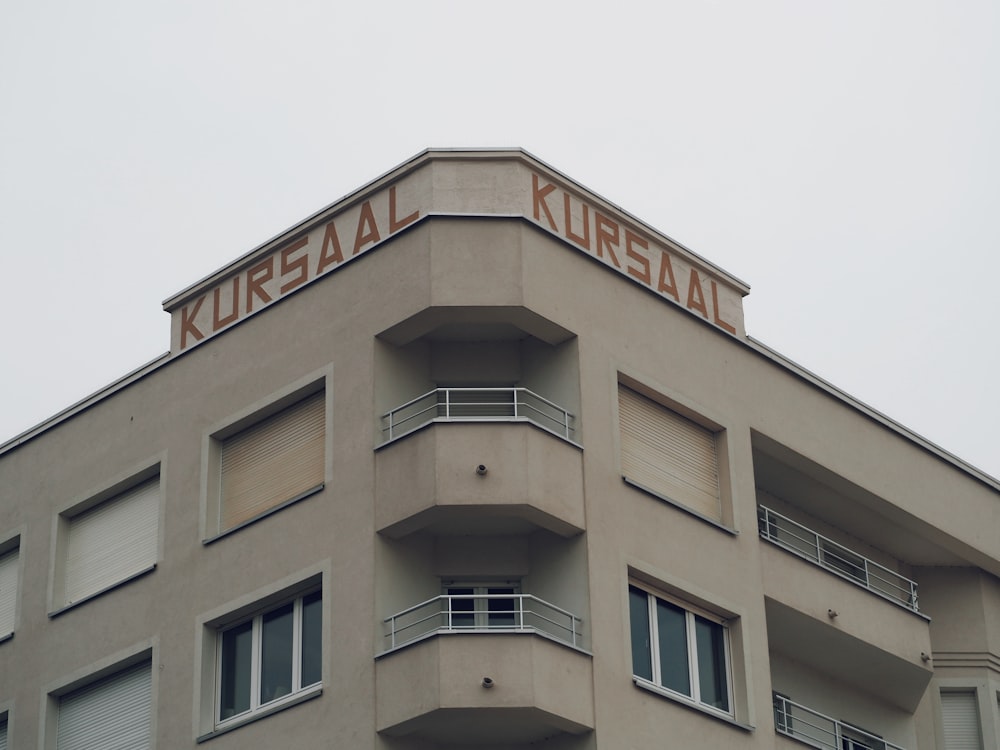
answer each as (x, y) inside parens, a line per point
(235, 683)
(638, 604)
(501, 611)
(671, 626)
(463, 611)
(712, 663)
(276, 654)
(312, 641)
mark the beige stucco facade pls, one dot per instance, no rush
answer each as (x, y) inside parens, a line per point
(477, 270)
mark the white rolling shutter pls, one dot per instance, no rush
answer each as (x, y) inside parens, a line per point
(112, 541)
(668, 453)
(112, 714)
(274, 460)
(8, 591)
(960, 719)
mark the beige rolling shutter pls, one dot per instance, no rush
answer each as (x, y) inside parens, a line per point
(115, 712)
(8, 591)
(273, 461)
(112, 541)
(960, 719)
(668, 454)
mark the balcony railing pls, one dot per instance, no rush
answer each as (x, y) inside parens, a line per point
(482, 613)
(836, 558)
(477, 405)
(814, 728)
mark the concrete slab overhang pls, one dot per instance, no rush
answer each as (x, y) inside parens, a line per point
(433, 689)
(844, 631)
(427, 480)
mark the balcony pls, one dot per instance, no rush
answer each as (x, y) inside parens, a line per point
(431, 480)
(477, 405)
(495, 669)
(491, 613)
(837, 559)
(816, 729)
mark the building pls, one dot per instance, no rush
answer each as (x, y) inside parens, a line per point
(473, 457)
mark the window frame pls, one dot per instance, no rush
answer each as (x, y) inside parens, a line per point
(975, 692)
(480, 606)
(691, 612)
(147, 472)
(6, 722)
(12, 545)
(700, 417)
(297, 689)
(144, 652)
(213, 440)
(211, 625)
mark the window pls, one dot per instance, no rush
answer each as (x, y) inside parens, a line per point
(960, 720)
(668, 454)
(270, 658)
(836, 557)
(482, 606)
(274, 461)
(782, 713)
(684, 652)
(3, 732)
(115, 711)
(9, 556)
(109, 542)
(855, 738)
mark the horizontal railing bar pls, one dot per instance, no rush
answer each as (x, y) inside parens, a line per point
(444, 607)
(790, 718)
(523, 402)
(824, 552)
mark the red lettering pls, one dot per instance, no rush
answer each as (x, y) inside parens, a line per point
(330, 242)
(255, 282)
(538, 196)
(715, 310)
(667, 272)
(299, 264)
(187, 322)
(394, 225)
(643, 275)
(218, 322)
(585, 239)
(604, 238)
(367, 229)
(696, 296)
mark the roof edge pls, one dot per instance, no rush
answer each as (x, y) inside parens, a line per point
(409, 165)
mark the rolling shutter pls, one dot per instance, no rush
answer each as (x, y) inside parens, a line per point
(960, 719)
(273, 461)
(112, 541)
(112, 714)
(8, 591)
(3, 734)
(668, 453)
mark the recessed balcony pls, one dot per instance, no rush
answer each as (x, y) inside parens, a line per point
(484, 669)
(477, 405)
(837, 559)
(807, 725)
(482, 613)
(479, 461)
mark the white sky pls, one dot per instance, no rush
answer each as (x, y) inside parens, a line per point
(842, 158)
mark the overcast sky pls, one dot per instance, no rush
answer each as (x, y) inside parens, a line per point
(843, 158)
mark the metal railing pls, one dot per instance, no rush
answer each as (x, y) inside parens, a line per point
(477, 405)
(836, 558)
(472, 613)
(801, 723)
